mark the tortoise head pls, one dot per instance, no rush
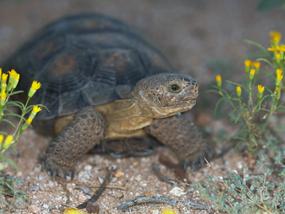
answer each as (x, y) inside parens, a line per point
(166, 94)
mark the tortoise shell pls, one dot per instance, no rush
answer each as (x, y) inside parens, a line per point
(82, 60)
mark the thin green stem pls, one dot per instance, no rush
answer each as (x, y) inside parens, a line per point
(18, 132)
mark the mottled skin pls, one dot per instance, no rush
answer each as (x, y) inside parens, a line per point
(102, 82)
(183, 137)
(153, 98)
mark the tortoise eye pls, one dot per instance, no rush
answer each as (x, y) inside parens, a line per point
(174, 88)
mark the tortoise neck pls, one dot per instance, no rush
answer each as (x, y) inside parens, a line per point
(125, 118)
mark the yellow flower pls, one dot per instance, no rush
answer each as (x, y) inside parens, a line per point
(3, 88)
(36, 109)
(247, 64)
(278, 48)
(29, 121)
(73, 211)
(219, 80)
(279, 76)
(4, 78)
(275, 37)
(1, 138)
(238, 90)
(256, 65)
(0, 72)
(13, 80)
(168, 211)
(260, 89)
(3, 97)
(8, 141)
(252, 73)
(34, 87)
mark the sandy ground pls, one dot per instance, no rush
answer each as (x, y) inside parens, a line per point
(193, 34)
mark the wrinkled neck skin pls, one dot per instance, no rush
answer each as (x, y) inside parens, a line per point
(125, 118)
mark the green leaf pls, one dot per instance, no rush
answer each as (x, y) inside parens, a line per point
(255, 44)
(265, 5)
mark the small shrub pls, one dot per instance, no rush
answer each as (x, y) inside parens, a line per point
(8, 84)
(253, 102)
(261, 191)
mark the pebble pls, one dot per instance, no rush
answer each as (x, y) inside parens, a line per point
(138, 178)
(35, 209)
(45, 206)
(101, 180)
(155, 212)
(119, 174)
(85, 174)
(176, 191)
(34, 188)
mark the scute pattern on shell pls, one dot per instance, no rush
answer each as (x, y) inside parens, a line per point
(80, 60)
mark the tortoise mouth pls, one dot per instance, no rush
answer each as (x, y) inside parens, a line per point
(188, 104)
(181, 106)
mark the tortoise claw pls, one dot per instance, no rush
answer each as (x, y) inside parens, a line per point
(54, 169)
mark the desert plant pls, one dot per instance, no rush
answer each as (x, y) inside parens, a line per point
(17, 123)
(8, 84)
(258, 191)
(252, 102)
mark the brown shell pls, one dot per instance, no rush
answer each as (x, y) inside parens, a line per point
(81, 60)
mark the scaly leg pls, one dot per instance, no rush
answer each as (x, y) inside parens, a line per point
(81, 135)
(181, 135)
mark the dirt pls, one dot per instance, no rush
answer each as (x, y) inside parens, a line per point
(193, 34)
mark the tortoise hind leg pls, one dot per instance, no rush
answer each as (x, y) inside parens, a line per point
(75, 140)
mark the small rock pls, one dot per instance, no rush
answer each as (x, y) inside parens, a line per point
(45, 206)
(119, 174)
(35, 209)
(88, 167)
(92, 208)
(34, 188)
(86, 190)
(70, 187)
(155, 212)
(138, 178)
(101, 180)
(177, 191)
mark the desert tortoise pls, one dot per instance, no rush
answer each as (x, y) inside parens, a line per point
(102, 81)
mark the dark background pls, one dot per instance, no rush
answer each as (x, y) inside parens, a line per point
(197, 36)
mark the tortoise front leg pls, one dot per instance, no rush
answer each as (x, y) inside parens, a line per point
(64, 151)
(181, 135)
